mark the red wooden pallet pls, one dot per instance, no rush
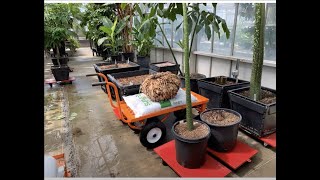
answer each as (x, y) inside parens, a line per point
(211, 168)
(237, 156)
(53, 81)
(270, 140)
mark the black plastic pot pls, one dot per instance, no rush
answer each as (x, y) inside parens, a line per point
(174, 68)
(223, 138)
(193, 83)
(190, 153)
(143, 61)
(97, 68)
(128, 89)
(216, 93)
(116, 57)
(128, 55)
(60, 73)
(257, 118)
(62, 60)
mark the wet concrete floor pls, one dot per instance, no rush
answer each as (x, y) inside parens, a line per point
(103, 146)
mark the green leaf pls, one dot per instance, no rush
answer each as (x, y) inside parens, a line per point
(159, 41)
(178, 26)
(101, 40)
(106, 22)
(152, 12)
(139, 10)
(106, 29)
(198, 28)
(190, 24)
(216, 28)
(179, 9)
(123, 6)
(160, 12)
(208, 31)
(136, 22)
(226, 29)
(160, 6)
(180, 44)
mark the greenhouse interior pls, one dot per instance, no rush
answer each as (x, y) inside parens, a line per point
(160, 90)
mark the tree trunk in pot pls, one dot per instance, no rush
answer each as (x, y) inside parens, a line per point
(258, 52)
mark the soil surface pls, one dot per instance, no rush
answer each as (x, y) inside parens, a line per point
(164, 64)
(267, 97)
(196, 76)
(133, 80)
(200, 130)
(227, 83)
(119, 65)
(220, 117)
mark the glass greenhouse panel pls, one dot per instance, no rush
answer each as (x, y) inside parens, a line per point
(177, 34)
(244, 31)
(270, 33)
(203, 44)
(223, 45)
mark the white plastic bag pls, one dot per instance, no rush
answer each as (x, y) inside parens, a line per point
(142, 105)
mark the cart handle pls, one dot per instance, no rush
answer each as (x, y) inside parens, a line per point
(92, 75)
(98, 84)
(108, 84)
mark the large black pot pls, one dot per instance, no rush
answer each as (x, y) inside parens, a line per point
(62, 60)
(174, 68)
(143, 61)
(60, 73)
(128, 55)
(257, 118)
(216, 93)
(193, 82)
(116, 57)
(190, 153)
(223, 138)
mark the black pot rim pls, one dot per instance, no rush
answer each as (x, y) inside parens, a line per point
(204, 76)
(190, 140)
(225, 109)
(236, 93)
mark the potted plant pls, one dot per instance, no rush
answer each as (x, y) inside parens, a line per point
(143, 35)
(216, 90)
(113, 38)
(224, 125)
(124, 10)
(58, 24)
(256, 104)
(191, 136)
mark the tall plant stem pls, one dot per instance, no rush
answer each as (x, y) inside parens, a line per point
(186, 68)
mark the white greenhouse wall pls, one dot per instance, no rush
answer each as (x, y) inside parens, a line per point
(215, 66)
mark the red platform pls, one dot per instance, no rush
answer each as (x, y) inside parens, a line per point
(238, 156)
(211, 168)
(52, 81)
(269, 140)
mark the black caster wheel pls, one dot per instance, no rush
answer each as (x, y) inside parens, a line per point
(50, 85)
(164, 163)
(152, 134)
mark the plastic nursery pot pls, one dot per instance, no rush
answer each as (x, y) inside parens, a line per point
(193, 82)
(116, 57)
(143, 61)
(190, 153)
(60, 73)
(129, 56)
(223, 137)
(259, 119)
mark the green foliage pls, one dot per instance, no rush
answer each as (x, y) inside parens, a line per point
(112, 31)
(144, 30)
(59, 21)
(92, 19)
(73, 43)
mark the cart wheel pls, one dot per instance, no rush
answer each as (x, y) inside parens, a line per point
(138, 124)
(180, 115)
(153, 134)
(265, 144)
(164, 163)
(50, 85)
